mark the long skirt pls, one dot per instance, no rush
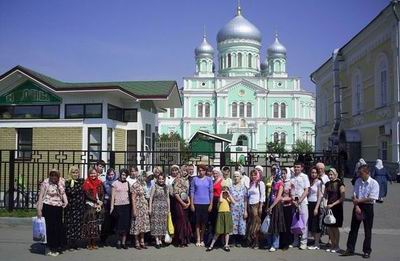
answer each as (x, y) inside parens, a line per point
(254, 223)
(91, 223)
(123, 218)
(107, 227)
(286, 238)
(382, 181)
(183, 229)
(54, 226)
(277, 224)
(224, 224)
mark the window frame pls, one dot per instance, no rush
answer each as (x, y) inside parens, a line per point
(275, 110)
(84, 116)
(100, 145)
(11, 110)
(24, 154)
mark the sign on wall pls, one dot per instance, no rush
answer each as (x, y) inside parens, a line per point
(28, 93)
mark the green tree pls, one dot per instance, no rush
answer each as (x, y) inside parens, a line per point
(276, 147)
(302, 147)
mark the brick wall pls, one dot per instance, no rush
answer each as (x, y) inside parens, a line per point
(57, 138)
(120, 145)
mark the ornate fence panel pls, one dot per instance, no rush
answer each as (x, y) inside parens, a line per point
(22, 172)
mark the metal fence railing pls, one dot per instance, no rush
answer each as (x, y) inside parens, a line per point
(21, 172)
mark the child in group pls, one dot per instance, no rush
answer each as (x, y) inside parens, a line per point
(224, 224)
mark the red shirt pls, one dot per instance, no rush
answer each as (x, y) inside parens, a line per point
(217, 188)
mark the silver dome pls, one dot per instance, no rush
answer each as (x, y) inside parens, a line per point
(204, 49)
(239, 28)
(276, 49)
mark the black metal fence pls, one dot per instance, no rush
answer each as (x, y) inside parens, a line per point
(22, 172)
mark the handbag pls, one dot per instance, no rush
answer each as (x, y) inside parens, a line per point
(170, 225)
(297, 226)
(168, 239)
(359, 217)
(329, 218)
(265, 225)
(39, 229)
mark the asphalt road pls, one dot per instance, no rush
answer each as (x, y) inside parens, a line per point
(16, 242)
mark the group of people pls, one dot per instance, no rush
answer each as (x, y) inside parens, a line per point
(207, 206)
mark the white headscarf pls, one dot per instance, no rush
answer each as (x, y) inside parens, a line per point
(379, 164)
(361, 162)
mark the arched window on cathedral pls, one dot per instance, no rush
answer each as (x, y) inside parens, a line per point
(276, 110)
(203, 66)
(276, 137)
(248, 110)
(249, 63)
(220, 63)
(242, 141)
(240, 60)
(283, 110)
(241, 109)
(200, 110)
(207, 110)
(283, 138)
(172, 113)
(234, 109)
(229, 60)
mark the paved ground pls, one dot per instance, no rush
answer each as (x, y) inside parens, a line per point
(16, 244)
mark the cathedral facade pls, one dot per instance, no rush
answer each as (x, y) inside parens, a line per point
(251, 98)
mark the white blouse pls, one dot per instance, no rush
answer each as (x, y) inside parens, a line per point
(256, 193)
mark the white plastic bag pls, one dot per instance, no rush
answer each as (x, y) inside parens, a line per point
(167, 239)
(39, 229)
(265, 225)
(329, 219)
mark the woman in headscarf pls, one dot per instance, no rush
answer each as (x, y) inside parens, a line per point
(94, 193)
(140, 213)
(159, 209)
(120, 207)
(275, 209)
(381, 175)
(360, 163)
(238, 208)
(108, 220)
(180, 209)
(286, 238)
(73, 213)
(256, 199)
(52, 200)
(217, 190)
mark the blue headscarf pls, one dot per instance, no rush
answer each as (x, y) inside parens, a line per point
(278, 173)
(108, 182)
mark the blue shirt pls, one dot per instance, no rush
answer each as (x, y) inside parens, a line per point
(201, 190)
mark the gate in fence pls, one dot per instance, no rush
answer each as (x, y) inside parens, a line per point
(21, 172)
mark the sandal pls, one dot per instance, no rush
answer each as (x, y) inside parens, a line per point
(202, 244)
(198, 244)
(210, 248)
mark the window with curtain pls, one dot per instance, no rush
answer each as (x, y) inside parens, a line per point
(283, 110)
(200, 110)
(248, 110)
(283, 138)
(234, 109)
(276, 137)
(241, 109)
(276, 110)
(207, 110)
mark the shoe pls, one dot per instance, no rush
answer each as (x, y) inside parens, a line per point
(303, 247)
(335, 250)
(348, 253)
(125, 246)
(366, 255)
(53, 253)
(227, 249)
(209, 249)
(159, 246)
(290, 246)
(89, 247)
(138, 247)
(118, 245)
(95, 246)
(143, 246)
(198, 244)
(313, 247)
(272, 249)
(238, 245)
(328, 250)
(202, 244)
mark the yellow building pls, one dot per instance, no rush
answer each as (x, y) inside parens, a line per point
(358, 94)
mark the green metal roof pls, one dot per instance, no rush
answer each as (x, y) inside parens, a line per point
(139, 89)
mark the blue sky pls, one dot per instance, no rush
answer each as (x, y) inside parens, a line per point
(104, 40)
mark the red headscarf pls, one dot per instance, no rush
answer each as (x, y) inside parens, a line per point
(91, 185)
